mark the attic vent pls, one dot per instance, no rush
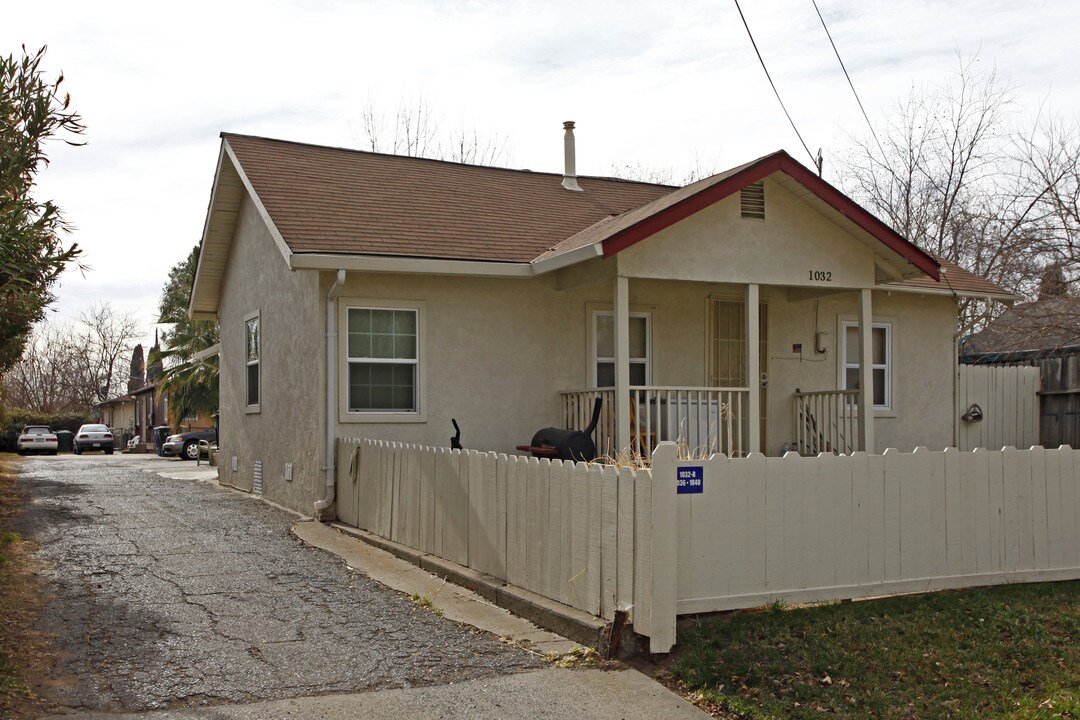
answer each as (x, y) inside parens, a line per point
(752, 201)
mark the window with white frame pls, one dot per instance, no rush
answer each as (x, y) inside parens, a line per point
(383, 356)
(880, 361)
(603, 349)
(253, 353)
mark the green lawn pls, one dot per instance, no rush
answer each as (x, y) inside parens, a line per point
(1004, 652)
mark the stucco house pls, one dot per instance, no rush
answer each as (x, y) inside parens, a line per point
(372, 295)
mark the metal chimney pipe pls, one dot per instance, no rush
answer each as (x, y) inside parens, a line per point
(569, 180)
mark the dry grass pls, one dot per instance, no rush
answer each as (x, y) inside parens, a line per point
(23, 652)
(634, 460)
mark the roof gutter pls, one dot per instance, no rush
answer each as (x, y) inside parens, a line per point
(416, 266)
(571, 257)
(1002, 297)
(331, 393)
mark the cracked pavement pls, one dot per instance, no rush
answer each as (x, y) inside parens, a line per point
(171, 593)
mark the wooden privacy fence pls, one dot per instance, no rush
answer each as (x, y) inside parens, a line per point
(567, 531)
(1008, 403)
(723, 533)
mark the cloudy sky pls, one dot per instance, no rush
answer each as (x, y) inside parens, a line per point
(663, 85)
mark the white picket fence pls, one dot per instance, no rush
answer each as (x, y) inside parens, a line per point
(796, 529)
(560, 529)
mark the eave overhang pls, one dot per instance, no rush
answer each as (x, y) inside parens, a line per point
(226, 197)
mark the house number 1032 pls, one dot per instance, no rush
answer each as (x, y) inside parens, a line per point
(821, 275)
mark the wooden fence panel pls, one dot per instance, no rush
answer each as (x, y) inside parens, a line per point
(834, 527)
(345, 491)
(578, 583)
(1008, 398)
(643, 565)
(607, 509)
(427, 502)
(624, 590)
(456, 519)
(537, 527)
(517, 501)
(563, 530)
(593, 539)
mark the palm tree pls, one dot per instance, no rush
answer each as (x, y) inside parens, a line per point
(191, 383)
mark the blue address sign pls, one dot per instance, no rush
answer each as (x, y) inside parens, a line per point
(690, 479)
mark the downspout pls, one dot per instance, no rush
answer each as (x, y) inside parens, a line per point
(331, 392)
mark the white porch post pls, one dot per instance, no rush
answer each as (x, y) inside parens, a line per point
(866, 371)
(622, 363)
(753, 368)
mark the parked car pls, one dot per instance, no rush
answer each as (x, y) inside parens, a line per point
(37, 438)
(186, 445)
(94, 437)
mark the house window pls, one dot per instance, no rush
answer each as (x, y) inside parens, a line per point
(604, 349)
(253, 352)
(881, 361)
(383, 358)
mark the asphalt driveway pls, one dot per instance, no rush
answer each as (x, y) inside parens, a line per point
(173, 593)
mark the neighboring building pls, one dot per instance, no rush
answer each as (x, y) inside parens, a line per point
(372, 295)
(150, 411)
(1044, 333)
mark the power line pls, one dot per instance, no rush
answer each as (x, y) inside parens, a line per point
(850, 83)
(775, 91)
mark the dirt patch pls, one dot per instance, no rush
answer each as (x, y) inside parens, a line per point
(25, 656)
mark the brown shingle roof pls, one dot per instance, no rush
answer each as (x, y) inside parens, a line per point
(957, 279)
(339, 201)
(329, 200)
(1046, 324)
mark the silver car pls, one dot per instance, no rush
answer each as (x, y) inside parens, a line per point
(94, 437)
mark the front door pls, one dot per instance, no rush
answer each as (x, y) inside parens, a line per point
(727, 350)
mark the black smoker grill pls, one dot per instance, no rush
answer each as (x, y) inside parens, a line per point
(565, 444)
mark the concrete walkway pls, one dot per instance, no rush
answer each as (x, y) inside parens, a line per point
(553, 694)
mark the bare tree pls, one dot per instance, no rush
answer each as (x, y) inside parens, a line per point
(1051, 156)
(946, 173)
(415, 130)
(109, 338)
(68, 367)
(44, 377)
(469, 145)
(667, 174)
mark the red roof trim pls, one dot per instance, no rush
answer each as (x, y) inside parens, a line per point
(782, 162)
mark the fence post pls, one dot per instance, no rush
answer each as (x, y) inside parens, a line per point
(663, 539)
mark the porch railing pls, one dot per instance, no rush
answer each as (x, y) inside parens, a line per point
(703, 420)
(826, 421)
